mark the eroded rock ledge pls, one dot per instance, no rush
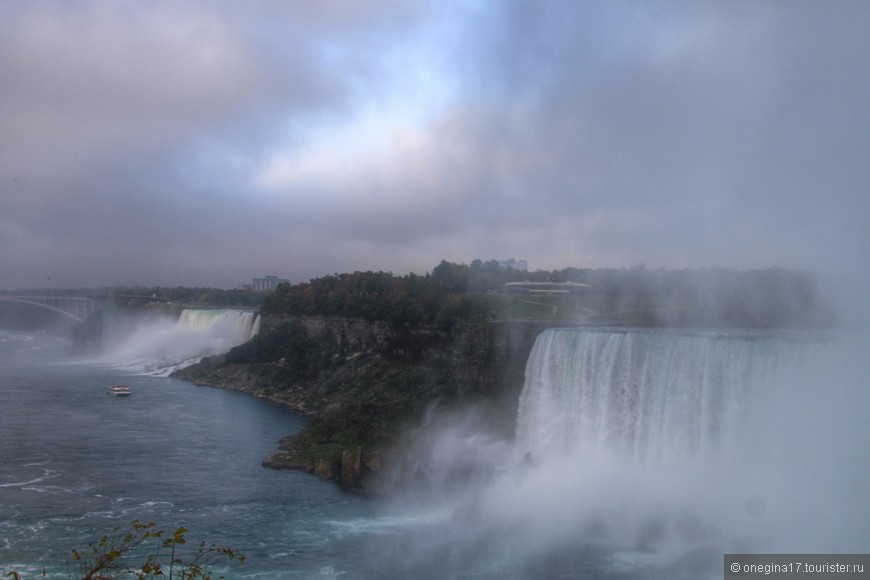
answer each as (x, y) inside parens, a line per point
(366, 384)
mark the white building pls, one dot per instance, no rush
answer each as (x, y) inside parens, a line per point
(267, 284)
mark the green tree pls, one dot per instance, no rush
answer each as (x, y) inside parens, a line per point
(144, 552)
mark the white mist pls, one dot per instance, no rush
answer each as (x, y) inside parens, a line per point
(159, 345)
(666, 440)
(651, 454)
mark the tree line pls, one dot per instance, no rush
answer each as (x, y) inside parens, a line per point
(452, 293)
(444, 296)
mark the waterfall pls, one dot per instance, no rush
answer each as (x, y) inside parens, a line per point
(162, 345)
(231, 326)
(650, 453)
(759, 436)
(653, 396)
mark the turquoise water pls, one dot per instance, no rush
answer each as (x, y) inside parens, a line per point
(77, 462)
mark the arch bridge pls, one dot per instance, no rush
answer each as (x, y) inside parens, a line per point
(77, 308)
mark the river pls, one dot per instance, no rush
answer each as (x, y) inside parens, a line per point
(638, 456)
(77, 462)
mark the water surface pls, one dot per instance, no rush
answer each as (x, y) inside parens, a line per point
(77, 462)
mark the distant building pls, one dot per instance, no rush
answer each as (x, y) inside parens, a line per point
(267, 284)
(520, 265)
(547, 287)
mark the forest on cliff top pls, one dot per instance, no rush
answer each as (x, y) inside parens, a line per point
(454, 293)
(460, 293)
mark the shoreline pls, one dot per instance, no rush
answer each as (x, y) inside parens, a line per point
(366, 386)
(287, 459)
(344, 439)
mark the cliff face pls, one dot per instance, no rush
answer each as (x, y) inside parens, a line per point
(480, 360)
(367, 383)
(353, 335)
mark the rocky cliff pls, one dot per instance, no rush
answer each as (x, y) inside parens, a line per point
(366, 384)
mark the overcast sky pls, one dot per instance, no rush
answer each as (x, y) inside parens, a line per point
(206, 143)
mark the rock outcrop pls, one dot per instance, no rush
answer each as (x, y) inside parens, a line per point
(366, 384)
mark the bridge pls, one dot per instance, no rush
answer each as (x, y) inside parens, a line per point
(77, 308)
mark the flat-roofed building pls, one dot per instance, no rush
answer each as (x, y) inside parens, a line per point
(547, 287)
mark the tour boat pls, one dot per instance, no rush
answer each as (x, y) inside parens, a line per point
(119, 390)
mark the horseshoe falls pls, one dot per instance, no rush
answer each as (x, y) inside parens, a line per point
(652, 396)
(672, 447)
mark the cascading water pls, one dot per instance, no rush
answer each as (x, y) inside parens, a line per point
(224, 327)
(161, 345)
(654, 396)
(664, 442)
(648, 454)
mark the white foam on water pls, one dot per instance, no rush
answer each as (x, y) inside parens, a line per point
(160, 346)
(662, 450)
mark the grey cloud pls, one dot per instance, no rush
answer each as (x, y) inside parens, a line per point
(678, 134)
(728, 133)
(121, 126)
